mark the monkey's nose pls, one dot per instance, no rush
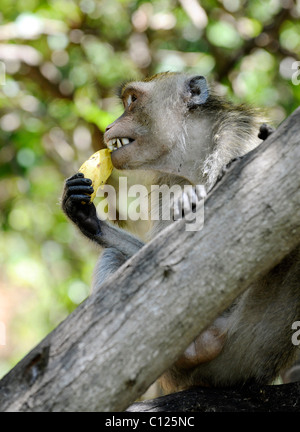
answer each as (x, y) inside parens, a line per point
(108, 127)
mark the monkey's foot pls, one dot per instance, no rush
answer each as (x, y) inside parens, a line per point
(188, 201)
(207, 346)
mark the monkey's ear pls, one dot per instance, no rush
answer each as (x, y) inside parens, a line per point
(198, 91)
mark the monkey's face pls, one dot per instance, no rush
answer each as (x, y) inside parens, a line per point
(139, 138)
(151, 133)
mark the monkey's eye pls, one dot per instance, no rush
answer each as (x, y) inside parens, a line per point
(130, 100)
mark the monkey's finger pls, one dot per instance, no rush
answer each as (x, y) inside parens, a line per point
(177, 209)
(74, 176)
(200, 192)
(193, 197)
(79, 198)
(78, 181)
(79, 190)
(187, 202)
(265, 130)
(173, 207)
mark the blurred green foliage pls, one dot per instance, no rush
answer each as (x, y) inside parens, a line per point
(61, 61)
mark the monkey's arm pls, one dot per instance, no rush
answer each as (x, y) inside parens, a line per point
(77, 206)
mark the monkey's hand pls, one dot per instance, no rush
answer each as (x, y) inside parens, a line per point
(265, 131)
(76, 203)
(77, 206)
(225, 168)
(188, 201)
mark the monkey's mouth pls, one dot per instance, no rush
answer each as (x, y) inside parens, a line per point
(116, 143)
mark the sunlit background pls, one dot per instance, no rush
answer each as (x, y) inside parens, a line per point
(60, 62)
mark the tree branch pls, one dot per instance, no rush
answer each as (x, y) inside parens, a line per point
(276, 398)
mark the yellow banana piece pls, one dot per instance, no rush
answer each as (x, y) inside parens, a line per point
(97, 168)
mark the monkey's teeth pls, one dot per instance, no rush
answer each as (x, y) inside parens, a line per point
(117, 143)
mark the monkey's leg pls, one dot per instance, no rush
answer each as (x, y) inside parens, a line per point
(77, 206)
(207, 345)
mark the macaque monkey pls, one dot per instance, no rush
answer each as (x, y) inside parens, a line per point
(175, 130)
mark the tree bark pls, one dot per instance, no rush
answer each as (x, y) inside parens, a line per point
(115, 344)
